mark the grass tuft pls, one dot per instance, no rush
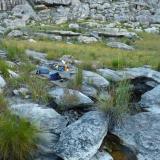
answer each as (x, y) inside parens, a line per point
(117, 106)
(18, 137)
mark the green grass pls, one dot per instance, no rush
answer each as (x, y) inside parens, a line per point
(4, 68)
(14, 51)
(77, 82)
(117, 106)
(146, 53)
(3, 103)
(18, 137)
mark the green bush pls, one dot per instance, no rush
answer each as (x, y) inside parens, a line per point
(18, 137)
(117, 105)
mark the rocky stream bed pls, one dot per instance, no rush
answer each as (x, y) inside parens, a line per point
(72, 126)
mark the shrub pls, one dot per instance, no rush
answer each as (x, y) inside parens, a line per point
(4, 68)
(17, 137)
(117, 106)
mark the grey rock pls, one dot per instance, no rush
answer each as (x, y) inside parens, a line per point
(74, 26)
(48, 36)
(36, 55)
(54, 2)
(48, 120)
(2, 82)
(151, 101)
(102, 156)
(79, 11)
(3, 54)
(2, 31)
(87, 40)
(116, 32)
(82, 139)
(142, 132)
(69, 98)
(61, 15)
(15, 23)
(15, 34)
(109, 74)
(24, 11)
(64, 33)
(120, 45)
(89, 91)
(131, 73)
(92, 78)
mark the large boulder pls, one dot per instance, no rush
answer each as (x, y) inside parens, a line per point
(82, 139)
(69, 97)
(131, 73)
(24, 11)
(49, 121)
(142, 131)
(109, 74)
(92, 78)
(151, 100)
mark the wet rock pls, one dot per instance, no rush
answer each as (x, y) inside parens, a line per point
(82, 139)
(142, 131)
(87, 40)
(92, 78)
(151, 101)
(49, 122)
(69, 98)
(120, 45)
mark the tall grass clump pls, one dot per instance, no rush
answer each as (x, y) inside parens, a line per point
(18, 137)
(117, 105)
(38, 88)
(14, 51)
(3, 103)
(77, 82)
(4, 68)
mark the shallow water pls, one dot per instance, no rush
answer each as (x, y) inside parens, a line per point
(117, 149)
